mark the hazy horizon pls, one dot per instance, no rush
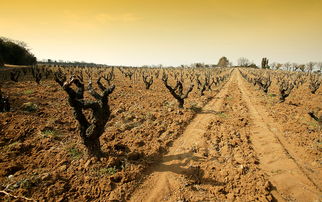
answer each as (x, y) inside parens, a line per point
(167, 32)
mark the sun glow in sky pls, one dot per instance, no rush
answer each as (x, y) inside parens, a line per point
(168, 32)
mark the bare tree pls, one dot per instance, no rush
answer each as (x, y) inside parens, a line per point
(243, 62)
(14, 75)
(195, 65)
(264, 82)
(4, 103)
(287, 66)
(36, 74)
(319, 65)
(294, 66)
(301, 67)
(109, 77)
(273, 65)
(177, 91)
(265, 63)
(310, 66)
(202, 86)
(285, 88)
(147, 81)
(278, 66)
(315, 83)
(90, 131)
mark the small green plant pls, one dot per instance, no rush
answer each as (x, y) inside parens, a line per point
(222, 114)
(28, 183)
(313, 125)
(75, 153)
(107, 171)
(13, 144)
(51, 133)
(28, 92)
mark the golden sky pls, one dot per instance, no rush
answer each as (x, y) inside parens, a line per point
(169, 32)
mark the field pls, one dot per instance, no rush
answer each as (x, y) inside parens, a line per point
(236, 142)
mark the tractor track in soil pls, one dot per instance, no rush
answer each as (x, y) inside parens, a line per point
(278, 157)
(228, 152)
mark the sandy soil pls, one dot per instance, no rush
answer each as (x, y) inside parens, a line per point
(235, 143)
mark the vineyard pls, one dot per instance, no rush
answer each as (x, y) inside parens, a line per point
(159, 134)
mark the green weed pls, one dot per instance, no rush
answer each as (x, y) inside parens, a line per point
(107, 171)
(75, 153)
(28, 92)
(51, 133)
(222, 114)
(272, 95)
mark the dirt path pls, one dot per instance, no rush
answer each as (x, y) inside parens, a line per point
(212, 160)
(167, 177)
(228, 152)
(275, 155)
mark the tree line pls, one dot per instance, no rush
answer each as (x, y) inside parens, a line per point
(15, 53)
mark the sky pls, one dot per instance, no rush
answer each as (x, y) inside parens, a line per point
(167, 32)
